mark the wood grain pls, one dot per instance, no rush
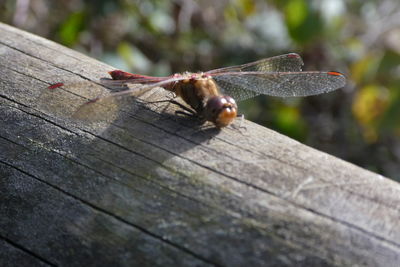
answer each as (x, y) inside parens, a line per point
(146, 187)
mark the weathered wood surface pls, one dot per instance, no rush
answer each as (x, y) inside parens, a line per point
(150, 188)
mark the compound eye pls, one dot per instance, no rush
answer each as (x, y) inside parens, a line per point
(215, 104)
(221, 110)
(230, 100)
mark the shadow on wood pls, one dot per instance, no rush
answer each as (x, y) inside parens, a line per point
(151, 188)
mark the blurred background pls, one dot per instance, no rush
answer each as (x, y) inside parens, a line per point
(360, 38)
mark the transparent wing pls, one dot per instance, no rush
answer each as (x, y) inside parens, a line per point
(283, 63)
(242, 85)
(134, 84)
(100, 108)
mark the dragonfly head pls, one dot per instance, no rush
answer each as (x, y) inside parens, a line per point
(220, 110)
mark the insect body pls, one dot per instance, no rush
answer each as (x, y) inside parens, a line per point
(211, 94)
(200, 92)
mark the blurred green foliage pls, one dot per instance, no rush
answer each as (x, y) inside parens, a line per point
(360, 38)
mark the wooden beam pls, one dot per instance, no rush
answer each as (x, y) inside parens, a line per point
(140, 185)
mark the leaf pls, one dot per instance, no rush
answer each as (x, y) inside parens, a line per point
(365, 69)
(71, 28)
(289, 121)
(303, 23)
(368, 107)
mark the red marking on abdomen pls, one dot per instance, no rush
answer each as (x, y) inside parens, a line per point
(123, 75)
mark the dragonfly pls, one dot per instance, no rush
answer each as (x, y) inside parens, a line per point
(211, 96)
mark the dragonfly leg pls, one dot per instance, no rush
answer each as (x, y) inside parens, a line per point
(241, 121)
(185, 113)
(189, 110)
(172, 101)
(161, 101)
(158, 101)
(170, 98)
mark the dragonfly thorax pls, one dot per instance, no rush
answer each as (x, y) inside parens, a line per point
(195, 91)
